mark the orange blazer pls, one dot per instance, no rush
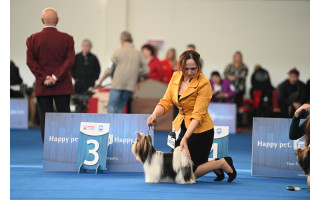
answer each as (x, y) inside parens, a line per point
(193, 103)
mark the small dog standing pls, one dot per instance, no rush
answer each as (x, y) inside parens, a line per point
(163, 167)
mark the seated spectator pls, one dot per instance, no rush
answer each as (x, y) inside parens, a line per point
(155, 66)
(261, 92)
(292, 94)
(86, 68)
(15, 80)
(222, 90)
(237, 72)
(169, 65)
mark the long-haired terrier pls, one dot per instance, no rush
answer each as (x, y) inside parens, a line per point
(304, 159)
(163, 167)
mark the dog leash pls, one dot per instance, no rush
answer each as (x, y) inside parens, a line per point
(149, 129)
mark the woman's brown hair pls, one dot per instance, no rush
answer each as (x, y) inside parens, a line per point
(186, 55)
(307, 133)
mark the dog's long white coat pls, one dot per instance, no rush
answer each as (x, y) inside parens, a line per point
(154, 169)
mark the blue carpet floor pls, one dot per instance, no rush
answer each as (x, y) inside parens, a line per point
(28, 181)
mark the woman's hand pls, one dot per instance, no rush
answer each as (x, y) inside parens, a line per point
(304, 108)
(231, 78)
(98, 85)
(152, 120)
(184, 145)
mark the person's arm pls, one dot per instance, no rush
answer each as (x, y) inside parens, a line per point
(68, 62)
(108, 71)
(230, 91)
(244, 72)
(296, 131)
(32, 62)
(163, 106)
(202, 102)
(199, 110)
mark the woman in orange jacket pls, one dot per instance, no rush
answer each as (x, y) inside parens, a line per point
(191, 92)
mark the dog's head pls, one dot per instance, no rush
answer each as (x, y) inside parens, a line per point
(142, 147)
(304, 159)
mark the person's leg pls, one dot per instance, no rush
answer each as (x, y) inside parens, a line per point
(62, 103)
(114, 98)
(45, 104)
(211, 166)
(125, 95)
(32, 109)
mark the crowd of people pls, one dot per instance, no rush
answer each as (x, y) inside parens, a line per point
(52, 60)
(128, 66)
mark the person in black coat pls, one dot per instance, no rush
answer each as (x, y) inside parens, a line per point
(292, 94)
(15, 79)
(86, 68)
(262, 88)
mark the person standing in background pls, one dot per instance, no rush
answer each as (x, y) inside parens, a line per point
(237, 72)
(155, 66)
(126, 65)
(86, 68)
(50, 57)
(169, 65)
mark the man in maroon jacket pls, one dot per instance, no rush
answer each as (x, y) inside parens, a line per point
(50, 57)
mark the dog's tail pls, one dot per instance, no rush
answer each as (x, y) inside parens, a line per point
(181, 159)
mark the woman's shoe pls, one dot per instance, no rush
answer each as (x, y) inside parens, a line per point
(220, 176)
(232, 175)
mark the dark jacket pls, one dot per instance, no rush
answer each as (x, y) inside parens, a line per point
(292, 93)
(51, 52)
(15, 78)
(85, 71)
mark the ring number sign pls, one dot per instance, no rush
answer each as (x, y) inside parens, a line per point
(93, 147)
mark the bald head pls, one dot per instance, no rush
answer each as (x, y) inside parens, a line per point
(49, 17)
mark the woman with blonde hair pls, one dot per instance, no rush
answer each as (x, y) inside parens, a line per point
(169, 65)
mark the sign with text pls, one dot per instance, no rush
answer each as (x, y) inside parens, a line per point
(224, 114)
(220, 143)
(273, 153)
(18, 113)
(62, 140)
(93, 146)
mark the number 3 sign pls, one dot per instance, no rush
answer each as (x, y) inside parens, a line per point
(93, 146)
